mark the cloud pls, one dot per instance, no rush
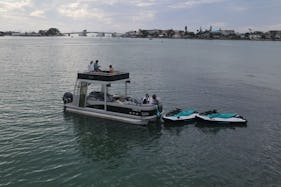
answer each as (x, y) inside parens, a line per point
(13, 11)
(84, 12)
(14, 5)
(274, 26)
(148, 3)
(99, 2)
(124, 15)
(192, 3)
(80, 11)
(143, 16)
(239, 8)
(218, 25)
(144, 4)
(38, 13)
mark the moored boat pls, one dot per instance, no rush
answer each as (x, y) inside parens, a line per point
(214, 116)
(179, 115)
(87, 100)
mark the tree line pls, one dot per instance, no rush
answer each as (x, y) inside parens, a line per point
(48, 32)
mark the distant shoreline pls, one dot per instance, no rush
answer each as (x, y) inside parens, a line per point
(148, 38)
(207, 35)
(273, 35)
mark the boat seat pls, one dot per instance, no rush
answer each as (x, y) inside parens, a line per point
(222, 115)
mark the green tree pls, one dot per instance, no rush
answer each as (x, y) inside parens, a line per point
(144, 33)
(42, 32)
(53, 32)
(170, 33)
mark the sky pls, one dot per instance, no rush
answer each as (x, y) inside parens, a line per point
(128, 15)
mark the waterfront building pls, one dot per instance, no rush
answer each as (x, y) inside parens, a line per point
(73, 35)
(257, 35)
(83, 33)
(275, 34)
(178, 34)
(226, 32)
(131, 34)
(25, 34)
(100, 34)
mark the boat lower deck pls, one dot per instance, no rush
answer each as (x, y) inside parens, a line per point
(138, 120)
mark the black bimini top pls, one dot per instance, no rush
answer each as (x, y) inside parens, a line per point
(103, 76)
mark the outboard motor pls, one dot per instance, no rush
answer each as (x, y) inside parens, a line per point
(67, 97)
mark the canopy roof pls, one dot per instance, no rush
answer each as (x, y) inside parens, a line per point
(103, 76)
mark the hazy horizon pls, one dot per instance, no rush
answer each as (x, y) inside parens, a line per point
(125, 15)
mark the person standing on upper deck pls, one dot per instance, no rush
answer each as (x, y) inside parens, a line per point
(91, 67)
(97, 66)
(111, 69)
(146, 99)
(154, 100)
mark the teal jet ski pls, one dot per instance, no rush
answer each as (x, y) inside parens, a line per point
(178, 115)
(214, 116)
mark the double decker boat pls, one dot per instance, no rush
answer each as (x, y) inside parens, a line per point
(100, 103)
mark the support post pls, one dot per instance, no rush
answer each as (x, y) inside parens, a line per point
(126, 87)
(105, 97)
(83, 93)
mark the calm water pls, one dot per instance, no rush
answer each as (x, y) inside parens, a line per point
(40, 145)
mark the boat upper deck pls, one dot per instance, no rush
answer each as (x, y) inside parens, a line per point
(103, 76)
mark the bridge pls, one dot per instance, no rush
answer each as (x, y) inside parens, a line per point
(96, 33)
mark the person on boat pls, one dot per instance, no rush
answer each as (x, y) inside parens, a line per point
(111, 69)
(154, 100)
(91, 67)
(97, 66)
(146, 99)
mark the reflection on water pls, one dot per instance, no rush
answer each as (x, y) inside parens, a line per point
(101, 139)
(214, 129)
(178, 123)
(41, 146)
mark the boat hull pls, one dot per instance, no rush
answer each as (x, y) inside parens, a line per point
(179, 118)
(126, 118)
(237, 119)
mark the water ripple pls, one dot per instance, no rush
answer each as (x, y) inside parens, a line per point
(43, 146)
